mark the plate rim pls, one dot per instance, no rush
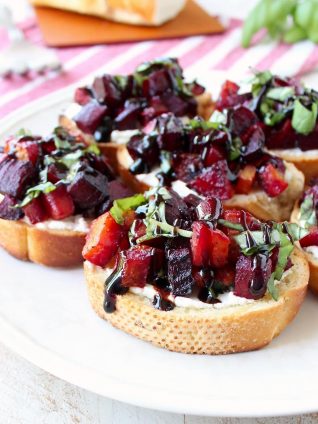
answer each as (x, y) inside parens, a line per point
(88, 379)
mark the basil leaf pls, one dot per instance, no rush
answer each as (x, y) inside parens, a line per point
(34, 192)
(61, 144)
(120, 206)
(308, 212)
(272, 288)
(295, 231)
(234, 148)
(294, 34)
(303, 119)
(231, 225)
(71, 158)
(23, 132)
(283, 255)
(280, 93)
(93, 148)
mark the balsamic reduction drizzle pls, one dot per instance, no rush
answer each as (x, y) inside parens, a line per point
(112, 288)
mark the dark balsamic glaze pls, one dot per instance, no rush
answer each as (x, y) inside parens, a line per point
(207, 295)
(258, 284)
(112, 289)
(162, 303)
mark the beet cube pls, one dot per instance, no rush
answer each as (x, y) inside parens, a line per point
(200, 244)
(105, 90)
(209, 209)
(90, 116)
(156, 83)
(219, 248)
(243, 277)
(35, 211)
(58, 203)
(186, 166)
(179, 267)
(118, 190)
(272, 180)
(214, 182)
(8, 211)
(170, 132)
(241, 119)
(89, 188)
(128, 118)
(16, 176)
(56, 172)
(310, 240)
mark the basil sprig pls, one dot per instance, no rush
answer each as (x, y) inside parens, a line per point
(121, 206)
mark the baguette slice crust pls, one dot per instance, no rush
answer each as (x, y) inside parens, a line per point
(307, 164)
(205, 331)
(312, 262)
(257, 203)
(146, 12)
(53, 248)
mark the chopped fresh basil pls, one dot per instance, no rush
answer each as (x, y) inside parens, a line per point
(296, 232)
(194, 124)
(120, 206)
(218, 117)
(307, 212)
(93, 148)
(280, 93)
(259, 80)
(304, 119)
(234, 148)
(61, 144)
(231, 225)
(34, 192)
(23, 132)
(71, 158)
(272, 288)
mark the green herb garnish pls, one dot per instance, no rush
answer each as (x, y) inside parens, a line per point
(34, 192)
(303, 119)
(120, 206)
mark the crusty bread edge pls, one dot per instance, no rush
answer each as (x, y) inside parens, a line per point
(53, 248)
(205, 331)
(257, 203)
(308, 165)
(312, 262)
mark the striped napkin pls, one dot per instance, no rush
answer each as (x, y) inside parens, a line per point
(211, 59)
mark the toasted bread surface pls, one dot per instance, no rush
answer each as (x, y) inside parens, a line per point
(306, 163)
(312, 261)
(54, 248)
(205, 331)
(257, 202)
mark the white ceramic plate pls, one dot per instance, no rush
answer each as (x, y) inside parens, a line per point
(45, 317)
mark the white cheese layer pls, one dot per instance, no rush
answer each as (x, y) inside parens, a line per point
(295, 152)
(313, 250)
(74, 223)
(122, 137)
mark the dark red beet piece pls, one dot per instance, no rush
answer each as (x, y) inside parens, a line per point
(118, 190)
(28, 151)
(243, 277)
(209, 209)
(228, 96)
(200, 244)
(179, 267)
(56, 172)
(8, 211)
(310, 240)
(282, 136)
(59, 204)
(16, 176)
(214, 181)
(157, 83)
(213, 155)
(272, 180)
(138, 262)
(219, 248)
(170, 132)
(254, 148)
(90, 116)
(186, 166)
(35, 211)
(241, 119)
(82, 96)
(89, 188)
(105, 90)
(175, 208)
(128, 118)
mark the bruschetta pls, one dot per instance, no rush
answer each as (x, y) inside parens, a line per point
(191, 277)
(51, 189)
(226, 160)
(115, 107)
(288, 113)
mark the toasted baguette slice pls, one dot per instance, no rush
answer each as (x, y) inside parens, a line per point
(145, 12)
(205, 331)
(313, 263)
(54, 248)
(257, 203)
(109, 149)
(306, 162)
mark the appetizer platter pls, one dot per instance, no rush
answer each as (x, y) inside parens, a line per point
(195, 231)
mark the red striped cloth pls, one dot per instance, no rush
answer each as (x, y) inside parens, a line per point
(217, 57)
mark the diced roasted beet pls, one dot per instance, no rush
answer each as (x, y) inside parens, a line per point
(196, 88)
(118, 190)
(203, 277)
(56, 172)
(175, 208)
(241, 119)
(282, 136)
(28, 151)
(82, 95)
(16, 176)
(228, 96)
(243, 276)
(128, 118)
(214, 181)
(104, 130)
(156, 83)
(240, 217)
(137, 264)
(246, 179)
(156, 108)
(219, 248)
(209, 209)
(254, 147)
(170, 132)
(90, 116)
(272, 180)
(106, 91)
(89, 188)
(58, 203)
(186, 166)
(179, 268)
(200, 244)
(309, 141)
(310, 240)
(225, 275)
(144, 148)
(35, 211)
(101, 164)
(213, 154)
(8, 209)
(177, 105)
(103, 240)
(252, 275)
(48, 146)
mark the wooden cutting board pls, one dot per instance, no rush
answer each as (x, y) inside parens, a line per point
(61, 28)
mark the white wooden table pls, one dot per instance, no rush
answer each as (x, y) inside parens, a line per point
(29, 395)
